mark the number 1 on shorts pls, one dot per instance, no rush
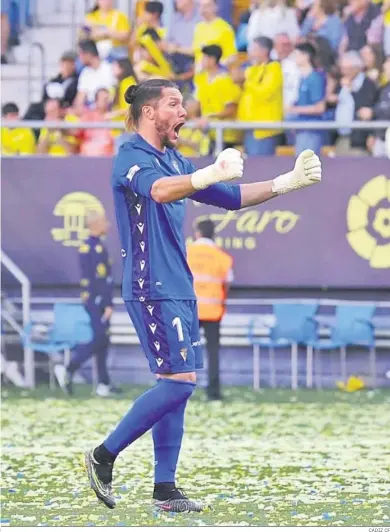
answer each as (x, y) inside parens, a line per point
(176, 322)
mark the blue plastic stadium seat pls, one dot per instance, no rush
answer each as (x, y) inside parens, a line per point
(71, 327)
(295, 325)
(353, 326)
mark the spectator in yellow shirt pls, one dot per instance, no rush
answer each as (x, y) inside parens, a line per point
(213, 30)
(262, 98)
(193, 142)
(151, 20)
(124, 73)
(18, 140)
(217, 94)
(109, 28)
(55, 142)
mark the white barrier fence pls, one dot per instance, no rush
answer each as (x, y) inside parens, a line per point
(219, 127)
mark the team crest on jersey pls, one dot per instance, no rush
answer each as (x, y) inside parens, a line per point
(176, 166)
(183, 353)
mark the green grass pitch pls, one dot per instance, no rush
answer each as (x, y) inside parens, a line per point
(271, 458)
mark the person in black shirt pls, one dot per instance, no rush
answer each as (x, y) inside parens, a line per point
(96, 294)
(64, 85)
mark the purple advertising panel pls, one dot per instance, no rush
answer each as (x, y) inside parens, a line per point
(335, 234)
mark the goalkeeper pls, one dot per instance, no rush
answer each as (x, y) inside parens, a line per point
(151, 182)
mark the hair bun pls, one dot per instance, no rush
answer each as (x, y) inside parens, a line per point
(130, 94)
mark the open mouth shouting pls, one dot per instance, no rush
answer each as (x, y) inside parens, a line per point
(176, 130)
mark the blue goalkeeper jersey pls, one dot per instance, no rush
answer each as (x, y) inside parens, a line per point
(151, 234)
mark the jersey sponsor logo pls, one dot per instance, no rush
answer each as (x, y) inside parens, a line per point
(142, 246)
(141, 283)
(153, 327)
(141, 227)
(84, 249)
(142, 265)
(84, 296)
(138, 208)
(157, 345)
(101, 270)
(131, 173)
(150, 309)
(198, 343)
(183, 353)
(159, 362)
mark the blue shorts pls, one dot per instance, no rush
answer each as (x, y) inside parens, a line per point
(169, 334)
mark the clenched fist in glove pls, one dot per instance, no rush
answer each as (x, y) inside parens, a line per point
(229, 165)
(307, 171)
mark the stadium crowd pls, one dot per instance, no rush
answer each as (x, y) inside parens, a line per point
(314, 60)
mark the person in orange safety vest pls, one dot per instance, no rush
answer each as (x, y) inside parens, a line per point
(212, 271)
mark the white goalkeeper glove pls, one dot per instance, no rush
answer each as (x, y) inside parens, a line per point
(307, 171)
(228, 165)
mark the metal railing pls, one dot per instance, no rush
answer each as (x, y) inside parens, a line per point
(20, 276)
(219, 127)
(232, 302)
(38, 46)
(12, 322)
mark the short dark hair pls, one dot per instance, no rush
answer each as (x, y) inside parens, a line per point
(206, 228)
(308, 49)
(9, 108)
(213, 50)
(155, 8)
(137, 96)
(68, 56)
(88, 46)
(264, 42)
(126, 67)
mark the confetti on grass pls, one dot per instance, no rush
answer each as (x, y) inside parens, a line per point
(275, 458)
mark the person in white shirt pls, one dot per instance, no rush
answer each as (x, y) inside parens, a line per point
(272, 17)
(283, 52)
(96, 74)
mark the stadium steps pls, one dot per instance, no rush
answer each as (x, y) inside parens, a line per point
(54, 32)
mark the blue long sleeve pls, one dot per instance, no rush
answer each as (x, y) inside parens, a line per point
(220, 195)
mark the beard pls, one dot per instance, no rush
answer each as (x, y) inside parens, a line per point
(162, 128)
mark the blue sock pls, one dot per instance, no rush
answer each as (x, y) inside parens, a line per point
(167, 437)
(149, 408)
